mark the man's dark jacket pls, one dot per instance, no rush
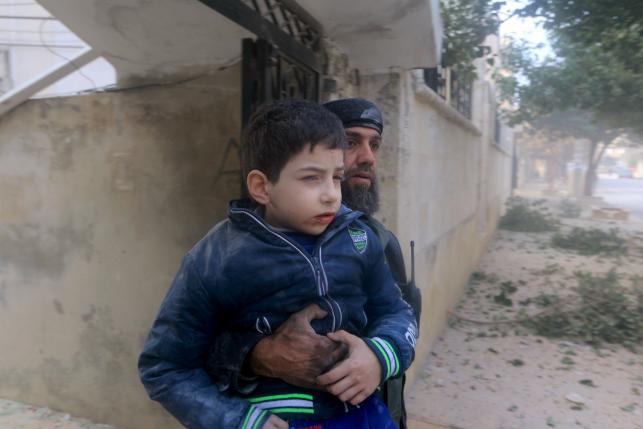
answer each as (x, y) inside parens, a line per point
(245, 276)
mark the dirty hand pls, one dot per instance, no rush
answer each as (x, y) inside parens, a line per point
(275, 422)
(295, 353)
(357, 376)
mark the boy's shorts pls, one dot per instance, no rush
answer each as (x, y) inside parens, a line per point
(371, 414)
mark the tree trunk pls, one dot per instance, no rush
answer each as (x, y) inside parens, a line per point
(592, 166)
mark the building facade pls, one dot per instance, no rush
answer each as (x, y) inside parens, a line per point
(103, 193)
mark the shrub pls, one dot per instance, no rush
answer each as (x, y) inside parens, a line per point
(524, 216)
(569, 209)
(604, 311)
(591, 241)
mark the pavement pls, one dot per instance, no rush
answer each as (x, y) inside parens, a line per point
(622, 193)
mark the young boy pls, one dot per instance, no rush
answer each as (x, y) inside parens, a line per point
(293, 245)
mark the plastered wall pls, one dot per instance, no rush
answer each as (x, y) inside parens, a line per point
(100, 197)
(443, 184)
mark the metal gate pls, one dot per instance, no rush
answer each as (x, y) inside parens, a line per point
(283, 62)
(268, 74)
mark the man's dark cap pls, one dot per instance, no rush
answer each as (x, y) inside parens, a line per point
(357, 112)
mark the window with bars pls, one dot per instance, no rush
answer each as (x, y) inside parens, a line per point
(454, 89)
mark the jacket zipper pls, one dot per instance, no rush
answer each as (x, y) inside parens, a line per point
(316, 271)
(332, 301)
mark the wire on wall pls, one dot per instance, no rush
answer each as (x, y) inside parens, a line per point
(78, 69)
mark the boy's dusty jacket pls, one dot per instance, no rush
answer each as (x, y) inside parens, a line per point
(243, 275)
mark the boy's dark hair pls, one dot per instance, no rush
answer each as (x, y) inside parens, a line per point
(280, 130)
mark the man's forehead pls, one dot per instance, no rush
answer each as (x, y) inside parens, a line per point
(363, 132)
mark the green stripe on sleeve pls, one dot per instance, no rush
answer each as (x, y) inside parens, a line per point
(397, 362)
(275, 397)
(245, 421)
(383, 353)
(259, 418)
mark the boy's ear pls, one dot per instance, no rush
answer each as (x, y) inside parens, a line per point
(258, 184)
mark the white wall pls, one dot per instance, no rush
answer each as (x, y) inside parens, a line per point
(36, 45)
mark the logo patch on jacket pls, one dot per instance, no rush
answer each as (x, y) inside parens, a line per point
(359, 237)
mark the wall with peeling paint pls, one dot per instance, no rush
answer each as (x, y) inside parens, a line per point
(100, 197)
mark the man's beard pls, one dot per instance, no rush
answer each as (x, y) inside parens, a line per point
(364, 198)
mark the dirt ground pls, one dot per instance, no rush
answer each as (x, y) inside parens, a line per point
(483, 374)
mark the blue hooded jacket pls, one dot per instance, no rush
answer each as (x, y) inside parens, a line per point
(244, 275)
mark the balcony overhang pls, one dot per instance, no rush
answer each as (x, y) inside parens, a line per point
(382, 33)
(149, 40)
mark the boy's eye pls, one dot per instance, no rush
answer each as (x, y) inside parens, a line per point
(309, 178)
(375, 146)
(339, 177)
(351, 143)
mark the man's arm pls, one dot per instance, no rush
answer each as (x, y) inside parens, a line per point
(395, 259)
(295, 353)
(171, 364)
(410, 292)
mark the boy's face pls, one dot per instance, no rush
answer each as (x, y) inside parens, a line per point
(307, 194)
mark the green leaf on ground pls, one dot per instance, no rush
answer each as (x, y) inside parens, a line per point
(629, 408)
(587, 382)
(517, 362)
(567, 361)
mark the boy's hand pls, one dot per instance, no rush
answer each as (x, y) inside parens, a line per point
(275, 422)
(295, 353)
(356, 377)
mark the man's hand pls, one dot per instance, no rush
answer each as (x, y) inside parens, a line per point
(295, 353)
(275, 422)
(356, 377)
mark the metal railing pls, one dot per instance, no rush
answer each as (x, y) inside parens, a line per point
(455, 90)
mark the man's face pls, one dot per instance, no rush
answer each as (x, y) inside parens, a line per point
(360, 189)
(307, 194)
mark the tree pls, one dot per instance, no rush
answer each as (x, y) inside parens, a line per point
(580, 125)
(596, 72)
(614, 26)
(467, 23)
(597, 66)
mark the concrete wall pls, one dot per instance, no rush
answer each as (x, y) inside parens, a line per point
(100, 197)
(443, 182)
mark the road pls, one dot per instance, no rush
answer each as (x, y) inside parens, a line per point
(623, 193)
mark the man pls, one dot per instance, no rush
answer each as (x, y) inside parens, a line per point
(294, 352)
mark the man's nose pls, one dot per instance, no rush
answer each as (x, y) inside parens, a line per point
(365, 154)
